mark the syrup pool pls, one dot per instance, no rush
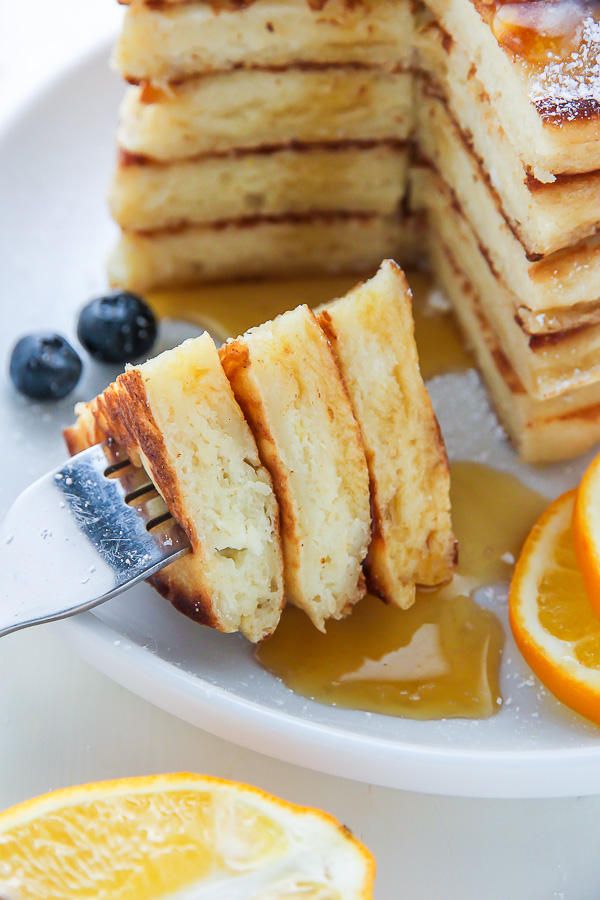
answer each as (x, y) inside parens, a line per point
(227, 310)
(441, 658)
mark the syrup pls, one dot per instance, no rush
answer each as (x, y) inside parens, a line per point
(439, 659)
(439, 343)
(540, 30)
(227, 310)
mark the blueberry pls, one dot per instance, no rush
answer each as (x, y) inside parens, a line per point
(117, 328)
(44, 366)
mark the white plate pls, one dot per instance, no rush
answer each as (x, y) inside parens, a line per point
(55, 162)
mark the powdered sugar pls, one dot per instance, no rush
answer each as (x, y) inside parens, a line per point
(569, 88)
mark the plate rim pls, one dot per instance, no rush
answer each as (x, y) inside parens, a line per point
(525, 773)
(518, 774)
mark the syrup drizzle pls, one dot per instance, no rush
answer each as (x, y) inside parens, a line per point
(439, 659)
(558, 44)
(538, 30)
(227, 310)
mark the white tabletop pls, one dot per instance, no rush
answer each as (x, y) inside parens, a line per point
(62, 723)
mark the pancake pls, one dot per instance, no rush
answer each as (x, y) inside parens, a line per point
(371, 331)
(171, 42)
(262, 247)
(544, 95)
(566, 278)
(545, 216)
(543, 431)
(318, 178)
(286, 379)
(546, 364)
(177, 417)
(249, 109)
(553, 321)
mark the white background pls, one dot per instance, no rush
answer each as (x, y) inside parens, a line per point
(62, 723)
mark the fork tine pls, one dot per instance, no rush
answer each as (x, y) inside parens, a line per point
(71, 541)
(143, 491)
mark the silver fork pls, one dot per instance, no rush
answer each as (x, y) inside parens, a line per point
(81, 535)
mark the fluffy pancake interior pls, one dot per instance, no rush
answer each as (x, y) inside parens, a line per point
(372, 333)
(250, 108)
(179, 414)
(227, 493)
(174, 41)
(296, 181)
(286, 379)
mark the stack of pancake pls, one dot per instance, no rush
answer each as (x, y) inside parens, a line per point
(267, 137)
(508, 103)
(274, 136)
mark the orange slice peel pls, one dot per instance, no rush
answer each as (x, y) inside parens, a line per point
(160, 836)
(551, 617)
(586, 532)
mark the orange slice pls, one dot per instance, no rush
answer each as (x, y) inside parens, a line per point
(183, 835)
(551, 616)
(586, 532)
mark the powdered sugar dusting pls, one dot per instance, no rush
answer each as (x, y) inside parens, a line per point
(569, 88)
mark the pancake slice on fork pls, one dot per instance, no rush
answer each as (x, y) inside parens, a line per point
(177, 417)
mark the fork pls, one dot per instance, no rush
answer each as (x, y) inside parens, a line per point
(81, 535)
